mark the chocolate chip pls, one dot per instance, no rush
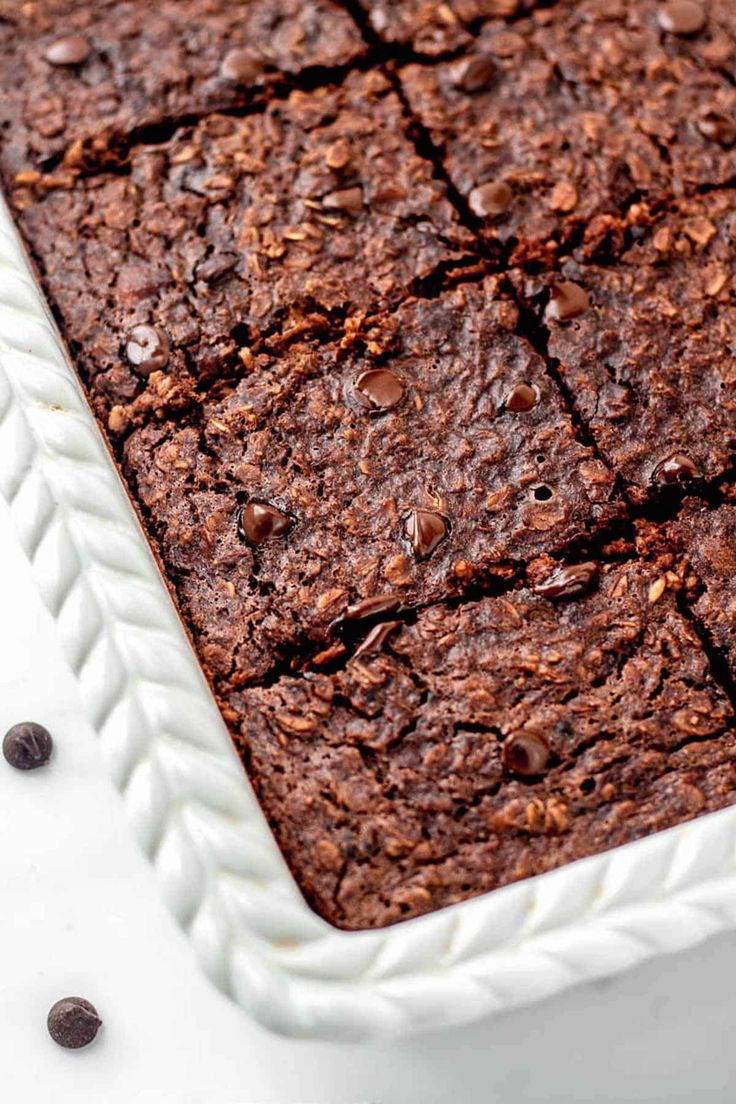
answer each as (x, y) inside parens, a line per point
(566, 301)
(474, 74)
(376, 638)
(522, 398)
(27, 746)
(73, 1022)
(569, 582)
(70, 50)
(349, 200)
(526, 753)
(677, 468)
(717, 128)
(424, 530)
(379, 388)
(147, 349)
(490, 199)
(681, 17)
(259, 522)
(370, 607)
(213, 268)
(241, 67)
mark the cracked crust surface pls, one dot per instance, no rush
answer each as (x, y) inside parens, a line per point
(577, 114)
(444, 489)
(238, 227)
(387, 784)
(369, 472)
(145, 64)
(649, 362)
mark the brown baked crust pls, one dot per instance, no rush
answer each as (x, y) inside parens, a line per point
(386, 784)
(579, 111)
(147, 64)
(241, 227)
(648, 362)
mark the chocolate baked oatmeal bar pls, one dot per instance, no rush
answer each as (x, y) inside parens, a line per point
(410, 327)
(239, 227)
(319, 489)
(77, 78)
(577, 114)
(645, 347)
(485, 743)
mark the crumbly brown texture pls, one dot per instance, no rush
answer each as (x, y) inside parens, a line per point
(144, 64)
(647, 355)
(432, 28)
(494, 484)
(702, 543)
(410, 325)
(577, 115)
(240, 227)
(389, 776)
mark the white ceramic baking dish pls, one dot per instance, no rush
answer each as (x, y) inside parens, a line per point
(192, 808)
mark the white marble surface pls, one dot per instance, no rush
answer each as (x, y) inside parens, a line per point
(79, 914)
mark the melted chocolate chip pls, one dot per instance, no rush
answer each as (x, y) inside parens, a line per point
(424, 530)
(677, 468)
(73, 1022)
(147, 349)
(566, 301)
(241, 67)
(490, 199)
(370, 607)
(70, 50)
(717, 128)
(476, 74)
(379, 389)
(522, 398)
(27, 746)
(526, 753)
(349, 200)
(259, 522)
(569, 582)
(376, 638)
(681, 17)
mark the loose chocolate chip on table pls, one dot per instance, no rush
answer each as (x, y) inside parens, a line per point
(569, 582)
(522, 398)
(490, 199)
(27, 746)
(567, 301)
(73, 1022)
(70, 50)
(259, 522)
(475, 74)
(424, 530)
(681, 17)
(526, 753)
(241, 66)
(147, 349)
(677, 468)
(370, 607)
(379, 389)
(376, 638)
